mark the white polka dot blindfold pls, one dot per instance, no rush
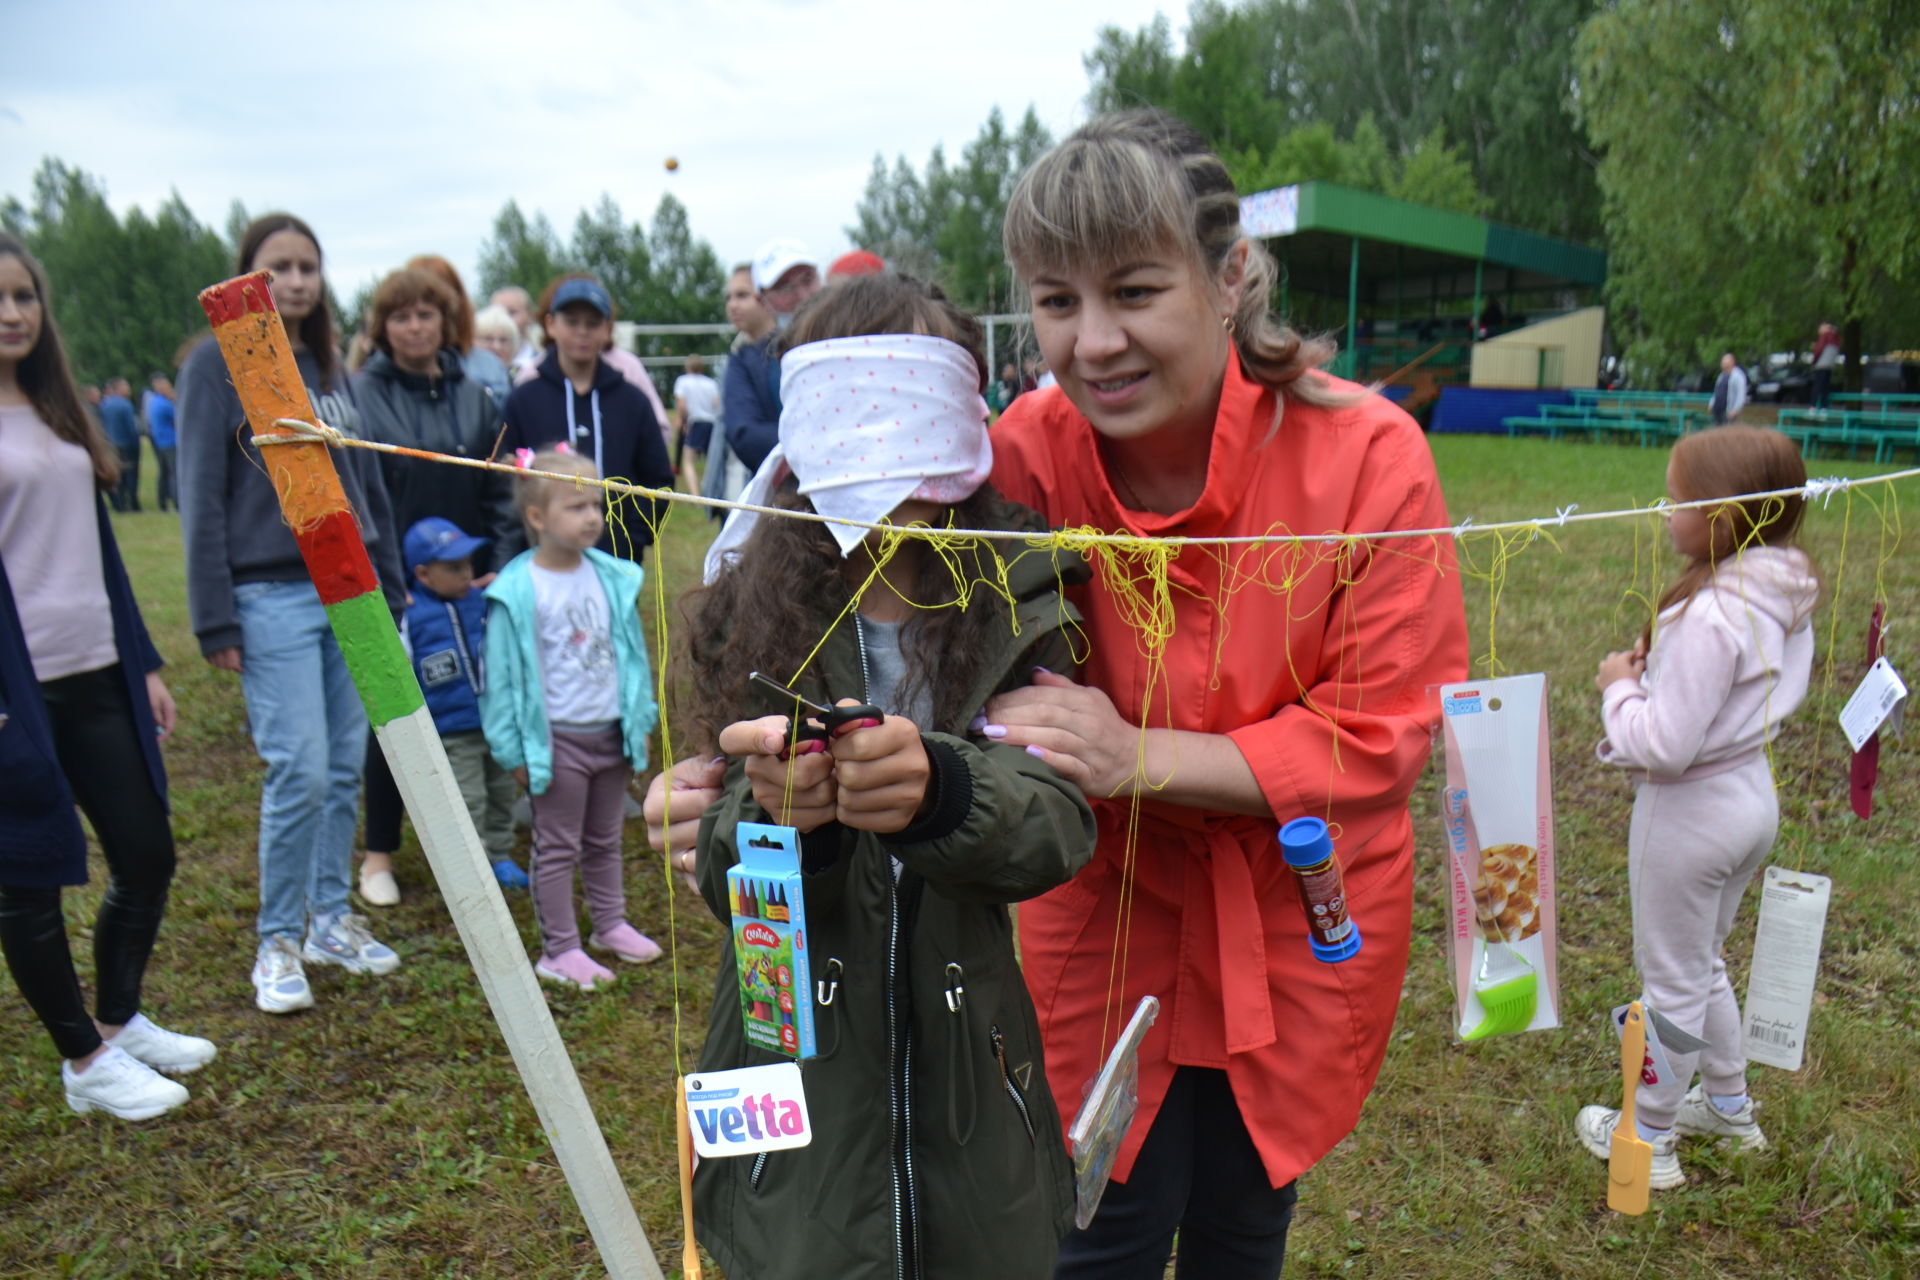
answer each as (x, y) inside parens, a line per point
(867, 423)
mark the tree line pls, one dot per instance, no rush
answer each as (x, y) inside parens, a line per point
(1717, 152)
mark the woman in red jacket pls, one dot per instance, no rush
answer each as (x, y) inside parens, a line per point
(1294, 682)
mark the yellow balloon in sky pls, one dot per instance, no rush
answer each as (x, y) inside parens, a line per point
(673, 163)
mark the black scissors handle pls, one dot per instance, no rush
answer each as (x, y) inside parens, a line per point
(832, 719)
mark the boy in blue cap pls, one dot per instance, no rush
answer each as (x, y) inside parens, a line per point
(446, 624)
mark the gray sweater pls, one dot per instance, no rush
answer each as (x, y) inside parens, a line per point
(229, 514)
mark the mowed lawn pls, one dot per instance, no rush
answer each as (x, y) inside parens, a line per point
(385, 1133)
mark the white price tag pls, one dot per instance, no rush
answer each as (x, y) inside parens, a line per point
(1786, 963)
(1879, 693)
(754, 1109)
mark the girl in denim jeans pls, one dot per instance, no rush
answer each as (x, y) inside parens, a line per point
(256, 613)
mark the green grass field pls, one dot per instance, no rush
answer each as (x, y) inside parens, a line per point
(385, 1134)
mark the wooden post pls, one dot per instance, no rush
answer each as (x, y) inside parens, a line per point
(260, 362)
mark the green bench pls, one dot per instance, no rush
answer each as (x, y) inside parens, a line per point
(1851, 432)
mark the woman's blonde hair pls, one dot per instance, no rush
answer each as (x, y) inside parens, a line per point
(537, 491)
(1128, 185)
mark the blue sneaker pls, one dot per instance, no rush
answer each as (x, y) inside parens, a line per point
(509, 874)
(344, 941)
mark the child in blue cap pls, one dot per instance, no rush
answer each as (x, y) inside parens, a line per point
(446, 626)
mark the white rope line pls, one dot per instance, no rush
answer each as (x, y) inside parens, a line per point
(1820, 490)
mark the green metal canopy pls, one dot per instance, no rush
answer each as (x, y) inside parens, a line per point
(1385, 255)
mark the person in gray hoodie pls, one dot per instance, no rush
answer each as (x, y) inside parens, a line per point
(1691, 711)
(256, 613)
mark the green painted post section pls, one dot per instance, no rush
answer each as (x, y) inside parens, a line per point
(1353, 305)
(370, 643)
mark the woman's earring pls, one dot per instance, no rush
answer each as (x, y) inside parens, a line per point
(1226, 322)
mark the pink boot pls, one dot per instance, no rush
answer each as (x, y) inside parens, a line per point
(627, 943)
(573, 968)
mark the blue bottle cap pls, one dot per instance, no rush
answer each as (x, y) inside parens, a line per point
(1305, 842)
(1345, 949)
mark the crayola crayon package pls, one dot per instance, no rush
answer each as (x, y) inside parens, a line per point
(770, 941)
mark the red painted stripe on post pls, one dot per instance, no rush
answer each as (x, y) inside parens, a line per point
(337, 558)
(232, 299)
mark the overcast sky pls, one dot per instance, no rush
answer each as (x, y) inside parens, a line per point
(399, 128)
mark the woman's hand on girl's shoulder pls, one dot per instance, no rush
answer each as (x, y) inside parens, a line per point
(882, 773)
(161, 703)
(1074, 728)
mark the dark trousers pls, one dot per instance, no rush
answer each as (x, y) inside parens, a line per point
(95, 739)
(1822, 387)
(166, 489)
(1199, 1175)
(126, 495)
(384, 806)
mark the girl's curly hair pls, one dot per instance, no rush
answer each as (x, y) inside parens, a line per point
(787, 586)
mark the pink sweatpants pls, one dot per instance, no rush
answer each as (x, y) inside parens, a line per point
(577, 824)
(1692, 850)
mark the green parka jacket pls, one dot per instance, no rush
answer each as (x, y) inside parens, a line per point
(937, 1150)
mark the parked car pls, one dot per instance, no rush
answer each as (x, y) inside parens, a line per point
(1785, 378)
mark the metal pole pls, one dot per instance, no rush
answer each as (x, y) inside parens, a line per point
(1473, 322)
(1353, 305)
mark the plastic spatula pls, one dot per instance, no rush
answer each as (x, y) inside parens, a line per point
(1630, 1158)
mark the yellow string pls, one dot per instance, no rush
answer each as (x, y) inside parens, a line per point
(1134, 572)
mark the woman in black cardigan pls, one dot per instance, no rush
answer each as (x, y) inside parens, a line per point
(82, 713)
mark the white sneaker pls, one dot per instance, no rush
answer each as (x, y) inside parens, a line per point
(1595, 1126)
(120, 1085)
(279, 981)
(1699, 1116)
(345, 941)
(161, 1049)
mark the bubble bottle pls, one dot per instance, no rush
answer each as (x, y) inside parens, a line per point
(1308, 849)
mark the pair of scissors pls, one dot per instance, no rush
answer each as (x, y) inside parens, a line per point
(832, 719)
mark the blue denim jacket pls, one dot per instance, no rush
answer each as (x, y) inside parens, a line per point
(513, 706)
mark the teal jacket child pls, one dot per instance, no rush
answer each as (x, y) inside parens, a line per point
(513, 708)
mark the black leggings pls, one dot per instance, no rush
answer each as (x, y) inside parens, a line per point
(96, 741)
(381, 794)
(1197, 1174)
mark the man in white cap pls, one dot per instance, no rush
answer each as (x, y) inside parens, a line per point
(785, 275)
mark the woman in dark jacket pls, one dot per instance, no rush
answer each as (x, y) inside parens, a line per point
(82, 714)
(414, 391)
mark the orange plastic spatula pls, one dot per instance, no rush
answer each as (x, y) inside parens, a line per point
(1630, 1158)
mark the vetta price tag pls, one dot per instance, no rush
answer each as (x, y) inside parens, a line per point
(744, 1112)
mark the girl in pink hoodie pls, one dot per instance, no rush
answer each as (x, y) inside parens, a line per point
(1691, 710)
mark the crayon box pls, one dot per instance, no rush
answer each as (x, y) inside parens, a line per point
(770, 941)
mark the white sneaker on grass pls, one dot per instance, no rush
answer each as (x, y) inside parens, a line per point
(1699, 1116)
(279, 981)
(344, 941)
(120, 1085)
(1595, 1126)
(161, 1049)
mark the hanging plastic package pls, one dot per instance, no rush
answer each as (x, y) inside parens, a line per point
(1497, 811)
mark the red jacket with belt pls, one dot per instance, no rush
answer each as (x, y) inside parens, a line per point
(1318, 660)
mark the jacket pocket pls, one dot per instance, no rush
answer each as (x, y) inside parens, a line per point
(1015, 1093)
(30, 778)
